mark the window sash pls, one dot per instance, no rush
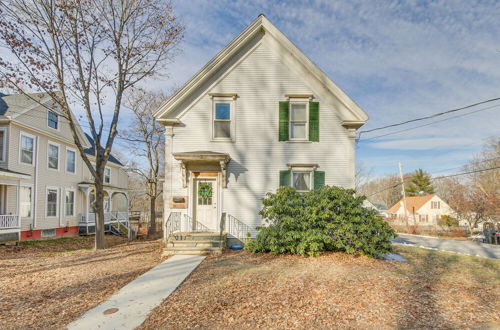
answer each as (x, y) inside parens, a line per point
(107, 175)
(70, 203)
(26, 201)
(297, 122)
(306, 177)
(70, 161)
(52, 120)
(53, 155)
(27, 148)
(52, 200)
(222, 123)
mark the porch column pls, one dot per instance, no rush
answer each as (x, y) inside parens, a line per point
(18, 204)
(87, 205)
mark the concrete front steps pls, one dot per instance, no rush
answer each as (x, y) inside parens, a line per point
(197, 243)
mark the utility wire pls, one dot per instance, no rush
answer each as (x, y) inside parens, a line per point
(436, 178)
(428, 124)
(430, 116)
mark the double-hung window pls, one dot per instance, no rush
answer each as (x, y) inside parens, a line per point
(70, 203)
(26, 201)
(107, 175)
(27, 149)
(70, 161)
(223, 118)
(53, 156)
(3, 151)
(302, 177)
(435, 205)
(299, 120)
(52, 202)
(52, 119)
(301, 180)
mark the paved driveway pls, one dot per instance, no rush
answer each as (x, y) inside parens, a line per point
(464, 247)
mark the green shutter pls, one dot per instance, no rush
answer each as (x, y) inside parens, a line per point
(314, 121)
(283, 129)
(319, 179)
(285, 178)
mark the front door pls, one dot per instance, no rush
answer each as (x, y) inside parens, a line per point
(205, 212)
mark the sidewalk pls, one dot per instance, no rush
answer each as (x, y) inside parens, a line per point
(130, 306)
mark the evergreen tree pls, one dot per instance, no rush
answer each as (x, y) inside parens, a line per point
(420, 184)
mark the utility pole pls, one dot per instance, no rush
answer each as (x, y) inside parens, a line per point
(404, 194)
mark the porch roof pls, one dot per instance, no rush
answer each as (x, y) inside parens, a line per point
(13, 174)
(202, 156)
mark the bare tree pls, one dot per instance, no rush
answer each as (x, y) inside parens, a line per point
(86, 54)
(362, 177)
(146, 141)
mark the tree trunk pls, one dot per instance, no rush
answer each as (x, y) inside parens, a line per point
(99, 221)
(152, 216)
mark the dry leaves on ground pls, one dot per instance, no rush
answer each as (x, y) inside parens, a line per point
(243, 290)
(46, 285)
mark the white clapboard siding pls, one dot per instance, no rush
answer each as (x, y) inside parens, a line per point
(260, 80)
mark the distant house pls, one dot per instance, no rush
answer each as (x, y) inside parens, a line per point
(420, 210)
(46, 190)
(369, 205)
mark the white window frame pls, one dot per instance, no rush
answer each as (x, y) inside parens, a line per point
(311, 178)
(66, 167)
(232, 117)
(50, 143)
(3, 154)
(24, 185)
(31, 136)
(47, 203)
(58, 121)
(74, 202)
(290, 103)
(104, 178)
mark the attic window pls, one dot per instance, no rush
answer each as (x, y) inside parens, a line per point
(223, 121)
(53, 120)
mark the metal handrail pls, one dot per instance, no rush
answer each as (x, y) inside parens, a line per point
(235, 227)
(192, 225)
(172, 224)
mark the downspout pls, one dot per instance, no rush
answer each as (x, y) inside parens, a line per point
(35, 193)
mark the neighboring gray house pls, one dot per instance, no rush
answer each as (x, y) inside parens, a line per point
(45, 187)
(258, 115)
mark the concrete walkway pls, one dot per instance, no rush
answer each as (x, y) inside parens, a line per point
(130, 306)
(462, 247)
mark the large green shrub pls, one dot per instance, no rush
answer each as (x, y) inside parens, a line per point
(326, 219)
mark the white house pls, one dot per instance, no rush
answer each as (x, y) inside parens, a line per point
(258, 115)
(46, 189)
(420, 210)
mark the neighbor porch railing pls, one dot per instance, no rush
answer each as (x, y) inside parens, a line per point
(108, 217)
(9, 221)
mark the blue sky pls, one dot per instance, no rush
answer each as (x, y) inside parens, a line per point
(397, 59)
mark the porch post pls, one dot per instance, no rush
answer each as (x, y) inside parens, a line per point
(87, 205)
(18, 206)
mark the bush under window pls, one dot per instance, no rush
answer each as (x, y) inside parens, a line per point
(326, 219)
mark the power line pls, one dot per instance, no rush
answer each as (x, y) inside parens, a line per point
(430, 116)
(436, 178)
(428, 124)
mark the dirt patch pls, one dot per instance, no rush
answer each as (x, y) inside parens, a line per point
(46, 285)
(244, 290)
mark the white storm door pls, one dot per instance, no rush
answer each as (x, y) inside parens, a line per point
(206, 202)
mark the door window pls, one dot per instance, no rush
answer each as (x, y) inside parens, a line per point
(205, 192)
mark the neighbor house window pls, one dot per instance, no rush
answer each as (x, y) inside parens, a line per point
(53, 155)
(107, 175)
(301, 181)
(27, 149)
(26, 202)
(53, 120)
(299, 123)
(3, 136)
(223, 119)
(52, 201)
(435, 205)
(423, 218)
(70, 161)
(70, 203)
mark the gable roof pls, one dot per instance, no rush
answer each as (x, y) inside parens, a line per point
(16, 104)
(91, 151)
(357, 118)
(411, 202)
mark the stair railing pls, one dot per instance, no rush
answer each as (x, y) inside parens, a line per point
(192, 225)
(173, 224)
(235, 227)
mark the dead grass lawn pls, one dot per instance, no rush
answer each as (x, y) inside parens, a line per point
(48, 284)
(239, 290)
